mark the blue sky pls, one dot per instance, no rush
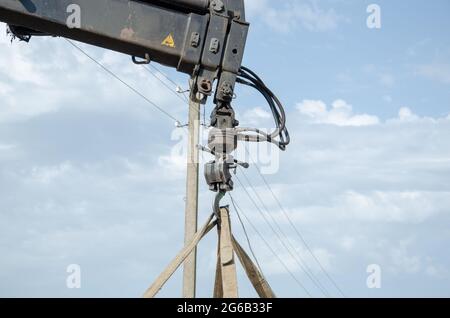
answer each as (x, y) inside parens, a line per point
(357, 63)
(89, 175)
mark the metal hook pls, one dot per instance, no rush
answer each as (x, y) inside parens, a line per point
(146, 61)
(216, 206)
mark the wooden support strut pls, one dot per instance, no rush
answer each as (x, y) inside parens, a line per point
(225, 285)
(179, 259)
(228, 266)
(218, 287)
(258, 281)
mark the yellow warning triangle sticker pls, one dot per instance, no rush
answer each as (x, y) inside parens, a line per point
(169, 41)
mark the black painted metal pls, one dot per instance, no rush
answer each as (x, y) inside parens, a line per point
(129, 27)
(184, 34)
(196, 5)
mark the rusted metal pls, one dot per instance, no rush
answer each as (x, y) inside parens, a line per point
(202, 38)
(130, 27)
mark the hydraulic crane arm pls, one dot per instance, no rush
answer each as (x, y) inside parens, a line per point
(202, 38)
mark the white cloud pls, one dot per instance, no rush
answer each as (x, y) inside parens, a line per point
(288, 15)
(46, 175)
(51, 70)
(303, 261)
(340, 114)
(402, 261)
(406, 114)
(6, 147)
(5, 89)
(436, 270)
(382, 206)
(20, 65)
(257, 117)
(375, 207)
(383, 75)
(436, 71)
(175, 162)
(348, 243)
(387, 98)
(259, 113)
(8, 151)
(387, 80)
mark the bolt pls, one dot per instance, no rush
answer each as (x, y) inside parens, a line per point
(217, 5)
(195, 39)
(214, 45)
(206, 85)
(227, 89)
(200, 96)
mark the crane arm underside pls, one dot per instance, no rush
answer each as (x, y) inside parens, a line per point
(202, 38)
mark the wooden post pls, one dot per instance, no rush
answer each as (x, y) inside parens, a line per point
(190, 265)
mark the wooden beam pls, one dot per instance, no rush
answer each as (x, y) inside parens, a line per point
(179, 259)
(229, 277)
(261, 285)
(218, 286)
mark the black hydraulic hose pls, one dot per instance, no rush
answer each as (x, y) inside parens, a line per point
(260, 86)
(275, 113)
(249, 78)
